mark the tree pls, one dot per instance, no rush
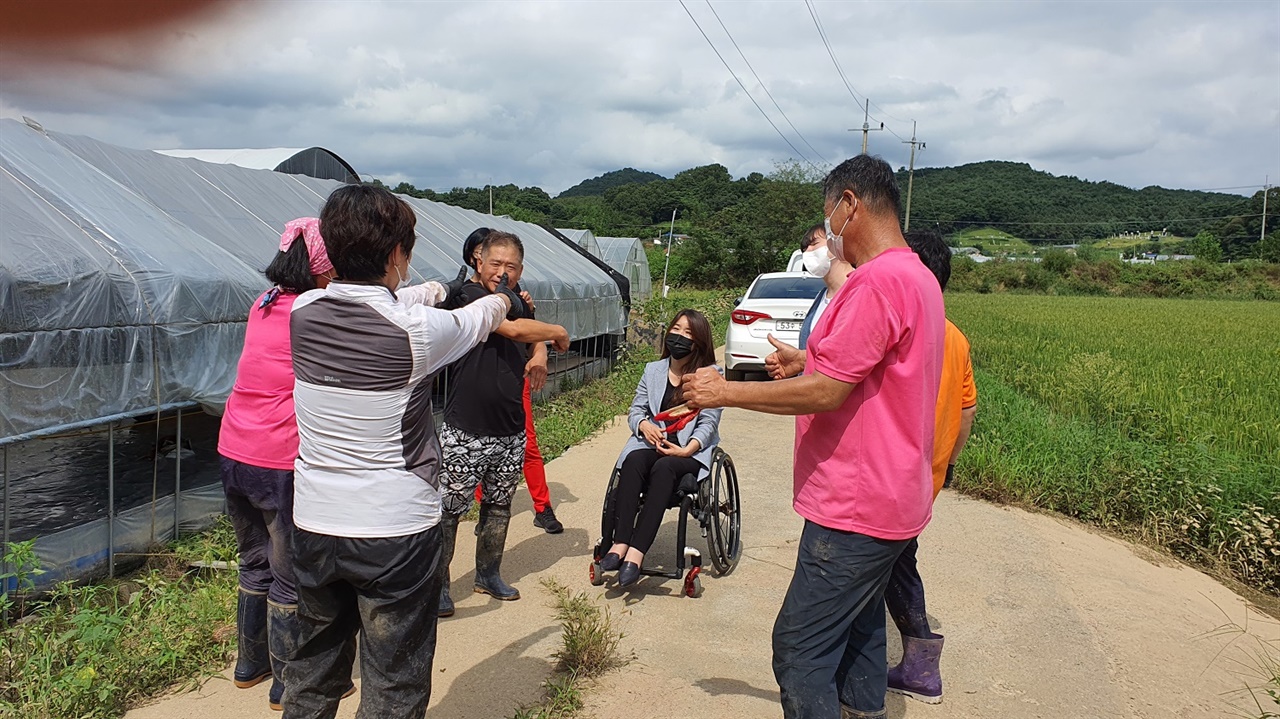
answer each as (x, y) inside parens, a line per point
(1269, 247)
(1206, 248)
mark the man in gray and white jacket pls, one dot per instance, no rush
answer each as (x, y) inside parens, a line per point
(367, 497)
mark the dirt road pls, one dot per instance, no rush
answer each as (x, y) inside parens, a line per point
(1042, 617)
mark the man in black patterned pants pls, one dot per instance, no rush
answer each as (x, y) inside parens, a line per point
(483, 439)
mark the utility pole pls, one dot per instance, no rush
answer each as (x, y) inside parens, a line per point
(490, 195)
(866, 125)
(911, 173)
(667, 263)
(1266, 190)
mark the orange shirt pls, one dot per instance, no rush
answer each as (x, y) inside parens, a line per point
(956, 392)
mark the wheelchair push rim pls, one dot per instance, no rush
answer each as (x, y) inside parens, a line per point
(724, 514)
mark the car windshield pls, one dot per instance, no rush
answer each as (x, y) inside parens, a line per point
(786, 288)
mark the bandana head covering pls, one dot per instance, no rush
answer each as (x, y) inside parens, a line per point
(309, 228)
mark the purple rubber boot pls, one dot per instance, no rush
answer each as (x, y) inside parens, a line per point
(918, 675)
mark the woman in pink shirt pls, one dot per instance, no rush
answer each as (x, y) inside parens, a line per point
(258, 444)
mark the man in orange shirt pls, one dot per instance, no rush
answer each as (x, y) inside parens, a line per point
(918, 675)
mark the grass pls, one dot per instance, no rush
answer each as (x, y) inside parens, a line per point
(589, 647)
(1133, 242)
(1136, 416)
(93, 651)
(992, 241)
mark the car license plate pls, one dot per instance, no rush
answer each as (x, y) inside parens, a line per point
(788, 325)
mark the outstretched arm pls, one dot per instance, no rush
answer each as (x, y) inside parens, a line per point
(526, 331)
(808, 394)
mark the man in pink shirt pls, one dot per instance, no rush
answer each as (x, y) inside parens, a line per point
(863, 450)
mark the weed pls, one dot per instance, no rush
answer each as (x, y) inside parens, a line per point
(589, 648)
(589, 639)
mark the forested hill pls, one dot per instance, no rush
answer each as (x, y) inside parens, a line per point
(739, 227)
(617, 178)
(1030, 203)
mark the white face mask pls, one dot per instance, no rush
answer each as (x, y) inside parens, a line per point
(404, 281)
(817, 261)
(835, 241)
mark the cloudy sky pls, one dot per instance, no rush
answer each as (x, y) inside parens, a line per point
(548, 93)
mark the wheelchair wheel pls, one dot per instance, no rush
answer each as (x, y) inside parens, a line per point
(724, 513)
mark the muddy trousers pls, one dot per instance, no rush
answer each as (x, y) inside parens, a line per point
(904, 596)
(386, 590)
(829, 638)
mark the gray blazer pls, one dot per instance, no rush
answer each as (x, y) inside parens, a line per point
(648, 404)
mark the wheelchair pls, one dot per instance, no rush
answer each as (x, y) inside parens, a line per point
(714, 503)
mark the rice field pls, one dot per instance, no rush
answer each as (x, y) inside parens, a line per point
(1159, 419)
(1199, 371)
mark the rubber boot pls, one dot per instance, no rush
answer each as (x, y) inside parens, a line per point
(253, 663)
(918, 675)
(282, 638)
(494, 519)
(283, 631)
(448, 538)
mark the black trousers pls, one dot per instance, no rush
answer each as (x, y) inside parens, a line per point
(657, 476)
(385, 589)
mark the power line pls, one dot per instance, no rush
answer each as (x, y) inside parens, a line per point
(748, 92)
(762, 85)
(813, 13)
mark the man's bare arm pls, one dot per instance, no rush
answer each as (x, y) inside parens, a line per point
(526, 331)
(809, 394)
(967, 416)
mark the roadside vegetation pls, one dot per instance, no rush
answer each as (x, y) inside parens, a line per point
(1061, 273)
(93, 651)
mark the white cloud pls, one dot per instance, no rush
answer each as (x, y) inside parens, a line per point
(549, 93)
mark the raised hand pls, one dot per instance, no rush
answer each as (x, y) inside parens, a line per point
(786, 361)
(704, 389)
(454, 286)
(517, 307)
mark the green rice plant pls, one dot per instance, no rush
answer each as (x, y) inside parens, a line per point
(1202, 506)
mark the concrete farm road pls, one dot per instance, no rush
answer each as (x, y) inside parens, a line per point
(1043, 618)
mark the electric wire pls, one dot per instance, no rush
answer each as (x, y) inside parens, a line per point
(813, 13)
(748, 92)
(762, 85)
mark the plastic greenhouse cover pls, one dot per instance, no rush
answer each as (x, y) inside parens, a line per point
(126, 275)
(586, 239)
(627, 255)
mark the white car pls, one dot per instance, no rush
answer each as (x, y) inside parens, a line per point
(775, 303)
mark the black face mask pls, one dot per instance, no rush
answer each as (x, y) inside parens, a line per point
(678, 346)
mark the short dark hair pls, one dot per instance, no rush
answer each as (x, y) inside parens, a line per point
(933, 252)
(498, 238)
(291, 270)
(871, 180)
(809, 233)
(469, 245)
(362, 225)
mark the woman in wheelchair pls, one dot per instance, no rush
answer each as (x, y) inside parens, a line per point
(654, 459)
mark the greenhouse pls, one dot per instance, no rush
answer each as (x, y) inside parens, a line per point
(627, 256)
(584, 239)
(125, 279)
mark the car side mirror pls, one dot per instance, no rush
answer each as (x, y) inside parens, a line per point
(737, 302)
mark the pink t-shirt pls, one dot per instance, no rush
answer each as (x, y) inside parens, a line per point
(866, 467)
(259, 426)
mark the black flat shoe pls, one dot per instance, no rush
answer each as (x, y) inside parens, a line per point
(628, 574)
(610, 562)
